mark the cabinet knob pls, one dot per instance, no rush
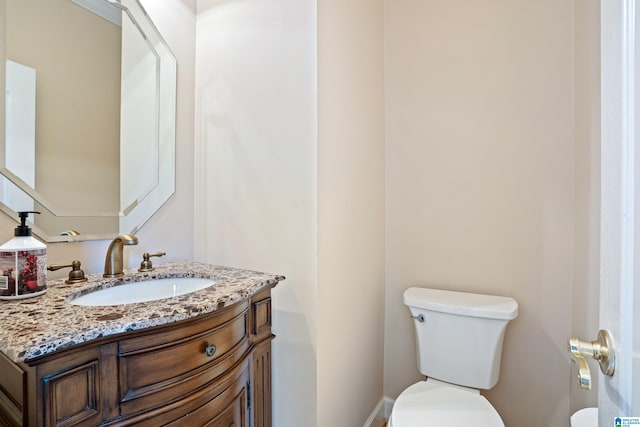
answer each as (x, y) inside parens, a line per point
(210, 350)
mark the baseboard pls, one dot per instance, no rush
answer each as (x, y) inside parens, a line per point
(388, 405)
(382, 410)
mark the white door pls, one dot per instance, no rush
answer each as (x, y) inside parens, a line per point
(619, 395)
(20, 134)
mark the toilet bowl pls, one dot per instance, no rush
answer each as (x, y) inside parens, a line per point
(459, 344)
(435, 403)
(586, 417)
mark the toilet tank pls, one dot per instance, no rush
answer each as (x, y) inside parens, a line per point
(459, 336)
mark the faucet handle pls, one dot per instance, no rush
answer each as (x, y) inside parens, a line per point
(146, 264)
(76, 275)
(601, 350)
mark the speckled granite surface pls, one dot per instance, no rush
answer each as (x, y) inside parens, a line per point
(33, 327)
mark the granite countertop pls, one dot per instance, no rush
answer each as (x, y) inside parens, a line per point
(33, 327)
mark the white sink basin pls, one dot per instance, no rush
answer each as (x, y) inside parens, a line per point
(148, 290)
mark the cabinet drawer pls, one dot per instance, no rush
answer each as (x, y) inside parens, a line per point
(225, 402)
(229, 408)
(261, 315)
(165, 367)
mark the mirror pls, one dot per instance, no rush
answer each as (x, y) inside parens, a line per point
(88, 117)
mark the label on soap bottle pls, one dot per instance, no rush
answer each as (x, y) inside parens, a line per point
(23, 273)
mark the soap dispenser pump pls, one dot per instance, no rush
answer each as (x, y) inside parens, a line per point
(23, 264)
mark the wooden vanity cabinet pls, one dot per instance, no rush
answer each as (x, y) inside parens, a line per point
(211, 370)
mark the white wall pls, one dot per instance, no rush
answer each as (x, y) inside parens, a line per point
(350, 210)
(294, 183)
(256, 183)
(171, 228)
(480, 182)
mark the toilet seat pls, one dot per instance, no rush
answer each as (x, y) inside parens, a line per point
(434, 403)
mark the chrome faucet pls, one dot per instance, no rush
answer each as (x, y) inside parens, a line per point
(113, 261)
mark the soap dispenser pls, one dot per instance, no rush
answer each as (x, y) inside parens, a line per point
(23, 264)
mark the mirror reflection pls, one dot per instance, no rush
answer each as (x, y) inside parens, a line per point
(89, 116)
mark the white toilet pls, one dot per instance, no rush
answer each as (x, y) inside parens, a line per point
(459, 342)
(586, 417)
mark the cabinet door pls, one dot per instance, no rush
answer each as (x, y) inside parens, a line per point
(79, 389)
(12, 393)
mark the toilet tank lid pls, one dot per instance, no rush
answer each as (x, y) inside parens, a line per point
(462, 303)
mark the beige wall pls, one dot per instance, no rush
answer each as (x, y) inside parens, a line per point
(171, 228)
(480, 182)
(483, 183)
(350, 210)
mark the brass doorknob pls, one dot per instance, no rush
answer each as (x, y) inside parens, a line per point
(601, 350)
